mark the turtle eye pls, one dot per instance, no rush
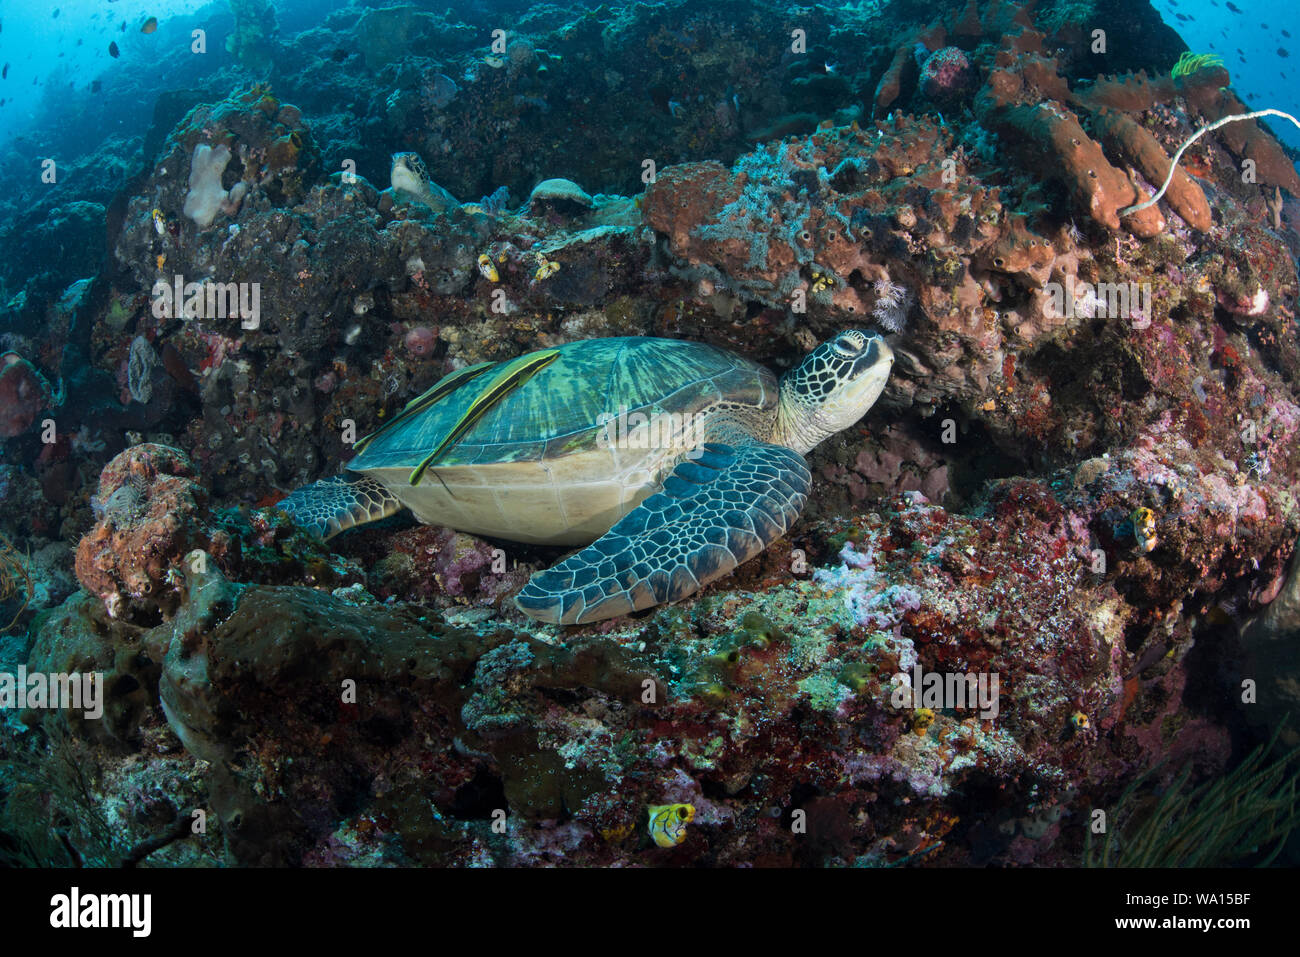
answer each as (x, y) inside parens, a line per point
(848, 345)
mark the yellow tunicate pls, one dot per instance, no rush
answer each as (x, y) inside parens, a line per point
(921, 720)
(1144, 528)
(668, 823)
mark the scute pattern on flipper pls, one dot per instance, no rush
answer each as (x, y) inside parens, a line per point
(714, 513)
(338, 503)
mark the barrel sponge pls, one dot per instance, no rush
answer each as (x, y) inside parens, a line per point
(206, 194)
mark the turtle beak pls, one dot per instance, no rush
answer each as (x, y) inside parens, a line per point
(882, 352)
(870, 373)
(876, 358)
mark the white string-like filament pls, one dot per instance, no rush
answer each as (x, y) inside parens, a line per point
(1129, 210)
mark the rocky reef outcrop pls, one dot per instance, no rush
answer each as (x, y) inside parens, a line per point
(1076, 498)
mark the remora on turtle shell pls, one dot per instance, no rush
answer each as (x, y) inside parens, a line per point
(673, 461)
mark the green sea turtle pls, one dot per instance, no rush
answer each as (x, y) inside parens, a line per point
(675, 460)
(410, 179)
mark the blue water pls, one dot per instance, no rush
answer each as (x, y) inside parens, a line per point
(1263, 60)
(54, 60)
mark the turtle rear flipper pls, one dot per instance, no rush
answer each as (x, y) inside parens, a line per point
(714, 513)
(338, 503)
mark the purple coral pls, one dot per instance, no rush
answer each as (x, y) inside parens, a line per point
(946, 75)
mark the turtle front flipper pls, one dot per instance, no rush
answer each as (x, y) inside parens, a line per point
(336, 504)
(714, 513)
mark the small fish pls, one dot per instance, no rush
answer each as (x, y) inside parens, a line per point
(668, 823)
(55, 14)
(830, 68)
(1144, 528)
(1283, 52)
(674, 108)
(1233, 7)
(4, 74)
(149, 26)
(113, 51)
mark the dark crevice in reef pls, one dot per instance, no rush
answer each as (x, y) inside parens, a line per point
(974, 460)
(477, 798)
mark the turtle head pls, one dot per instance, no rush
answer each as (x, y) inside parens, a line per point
(408, 173)
(832, 388)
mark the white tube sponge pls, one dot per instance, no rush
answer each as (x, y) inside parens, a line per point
(206, 196)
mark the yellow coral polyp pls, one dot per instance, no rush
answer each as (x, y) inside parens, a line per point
(545, 269)
(486, 269)
(821, 280)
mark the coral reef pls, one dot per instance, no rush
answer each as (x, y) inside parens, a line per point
(1075, 502)
(151, 514)
(24, 394)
